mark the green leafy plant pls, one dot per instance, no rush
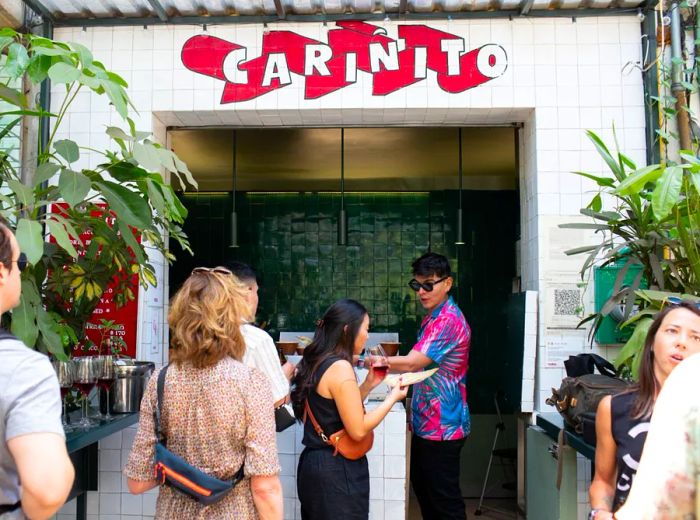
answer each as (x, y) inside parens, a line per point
(653, 220)
(82, 229)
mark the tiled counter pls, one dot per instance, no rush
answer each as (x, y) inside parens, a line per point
(387, 467)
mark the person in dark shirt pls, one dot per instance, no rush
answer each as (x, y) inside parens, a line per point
(622, 421)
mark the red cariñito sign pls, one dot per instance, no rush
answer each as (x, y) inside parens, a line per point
(327, 67)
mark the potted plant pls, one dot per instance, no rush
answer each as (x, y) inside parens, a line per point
(81, 228)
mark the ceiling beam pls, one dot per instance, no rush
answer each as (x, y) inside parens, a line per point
(316, 18)
(40, 9)
(279, 7)
(158, 8)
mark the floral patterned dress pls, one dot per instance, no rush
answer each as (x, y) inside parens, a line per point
(216, 418)
(667, 484)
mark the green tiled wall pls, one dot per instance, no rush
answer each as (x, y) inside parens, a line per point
(291, 239)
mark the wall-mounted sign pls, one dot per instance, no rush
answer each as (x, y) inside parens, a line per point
(125, 317)
(333, 65)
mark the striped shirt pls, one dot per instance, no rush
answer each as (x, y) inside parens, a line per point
(439, 406)
(261, 353)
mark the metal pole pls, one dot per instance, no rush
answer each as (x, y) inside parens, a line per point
(677, 88)
(342, 217)
(234, 216)
(650, 78)
(460, 232)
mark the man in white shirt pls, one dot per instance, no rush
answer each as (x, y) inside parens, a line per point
(261, 352)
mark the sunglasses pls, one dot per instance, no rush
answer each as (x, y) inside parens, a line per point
(220, 270)
(21, 262)
(426, 286)
(675, 300)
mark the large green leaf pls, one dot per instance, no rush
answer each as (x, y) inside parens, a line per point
(128, 236)
(85, 55)
(606, 182)
(117, 96)
(634, 345)
(59, 233)
(17, 60)
(156, 198)
(606, 155)
(667, 192)
(147, 156)
(124, 171)
(695, 178)
(73, 186)
(24, 315)
(13, 96)
(24, 193)
(67, 149)
(129, 206)
(38, 69)
(45, 172)
(31, 239)
(636, 181)
(50, 338)
(63, 72)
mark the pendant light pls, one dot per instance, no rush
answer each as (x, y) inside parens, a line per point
(234, 216)
(343, 217)
(460, 233)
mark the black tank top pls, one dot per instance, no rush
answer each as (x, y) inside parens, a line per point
(629, 435)
(325, 411)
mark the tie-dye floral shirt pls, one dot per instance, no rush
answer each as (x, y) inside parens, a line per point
(439, 409)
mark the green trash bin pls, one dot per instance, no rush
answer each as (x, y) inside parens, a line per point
(604, 278)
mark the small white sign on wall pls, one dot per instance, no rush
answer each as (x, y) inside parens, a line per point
(559, 347)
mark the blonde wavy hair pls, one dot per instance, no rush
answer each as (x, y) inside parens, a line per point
(205, 318)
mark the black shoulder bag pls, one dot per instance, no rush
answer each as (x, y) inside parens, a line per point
(176, 472)
(580, 392)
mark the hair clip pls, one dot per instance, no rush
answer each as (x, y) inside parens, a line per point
(319, 323)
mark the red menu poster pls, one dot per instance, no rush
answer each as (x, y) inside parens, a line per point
(125, 318)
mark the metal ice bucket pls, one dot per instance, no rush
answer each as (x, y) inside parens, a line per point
(129, 384)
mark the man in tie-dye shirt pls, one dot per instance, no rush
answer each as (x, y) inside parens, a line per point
(440, 414)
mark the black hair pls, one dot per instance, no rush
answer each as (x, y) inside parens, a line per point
(6, 243)
(431, 264)
(242, 271)
(335, 335)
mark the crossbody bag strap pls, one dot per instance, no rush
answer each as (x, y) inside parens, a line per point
(160, 437)
(314, 422)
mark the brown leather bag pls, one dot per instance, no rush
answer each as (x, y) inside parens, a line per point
(340, 440)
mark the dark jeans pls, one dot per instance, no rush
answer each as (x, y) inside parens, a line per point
(435, 478)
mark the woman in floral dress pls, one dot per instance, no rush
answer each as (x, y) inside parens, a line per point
(217, 413)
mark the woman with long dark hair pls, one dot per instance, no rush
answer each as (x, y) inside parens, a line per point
(328, 485)
(622, 421)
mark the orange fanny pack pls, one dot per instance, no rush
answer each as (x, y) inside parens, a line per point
(174, 471)
(340, 440)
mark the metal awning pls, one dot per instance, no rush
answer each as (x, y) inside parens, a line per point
(149, 12)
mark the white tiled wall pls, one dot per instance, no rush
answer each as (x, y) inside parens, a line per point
(563, 76)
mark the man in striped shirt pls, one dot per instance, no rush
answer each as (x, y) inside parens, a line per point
(440, 414)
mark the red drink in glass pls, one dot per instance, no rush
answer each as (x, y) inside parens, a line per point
(381, 370)
(84, 386)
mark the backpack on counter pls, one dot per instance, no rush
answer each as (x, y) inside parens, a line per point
(580, 392)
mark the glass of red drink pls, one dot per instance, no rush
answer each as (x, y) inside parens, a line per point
(85, 377)
(64, 373)
(105, 379)
(378, 361)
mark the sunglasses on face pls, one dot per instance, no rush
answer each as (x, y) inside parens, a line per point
(675, 300)
(220, 270)
(426, 286)
(21, 262)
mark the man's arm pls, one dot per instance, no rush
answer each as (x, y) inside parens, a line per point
(414, 361)
(45, 471)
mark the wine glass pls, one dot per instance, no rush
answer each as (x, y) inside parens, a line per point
(64, 373)
(105, 378)
(85, 377)
(377, 360)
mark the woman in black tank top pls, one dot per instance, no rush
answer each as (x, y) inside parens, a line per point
(622, 421)
(330, 486)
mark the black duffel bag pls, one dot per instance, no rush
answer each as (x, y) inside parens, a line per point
(580, 392)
